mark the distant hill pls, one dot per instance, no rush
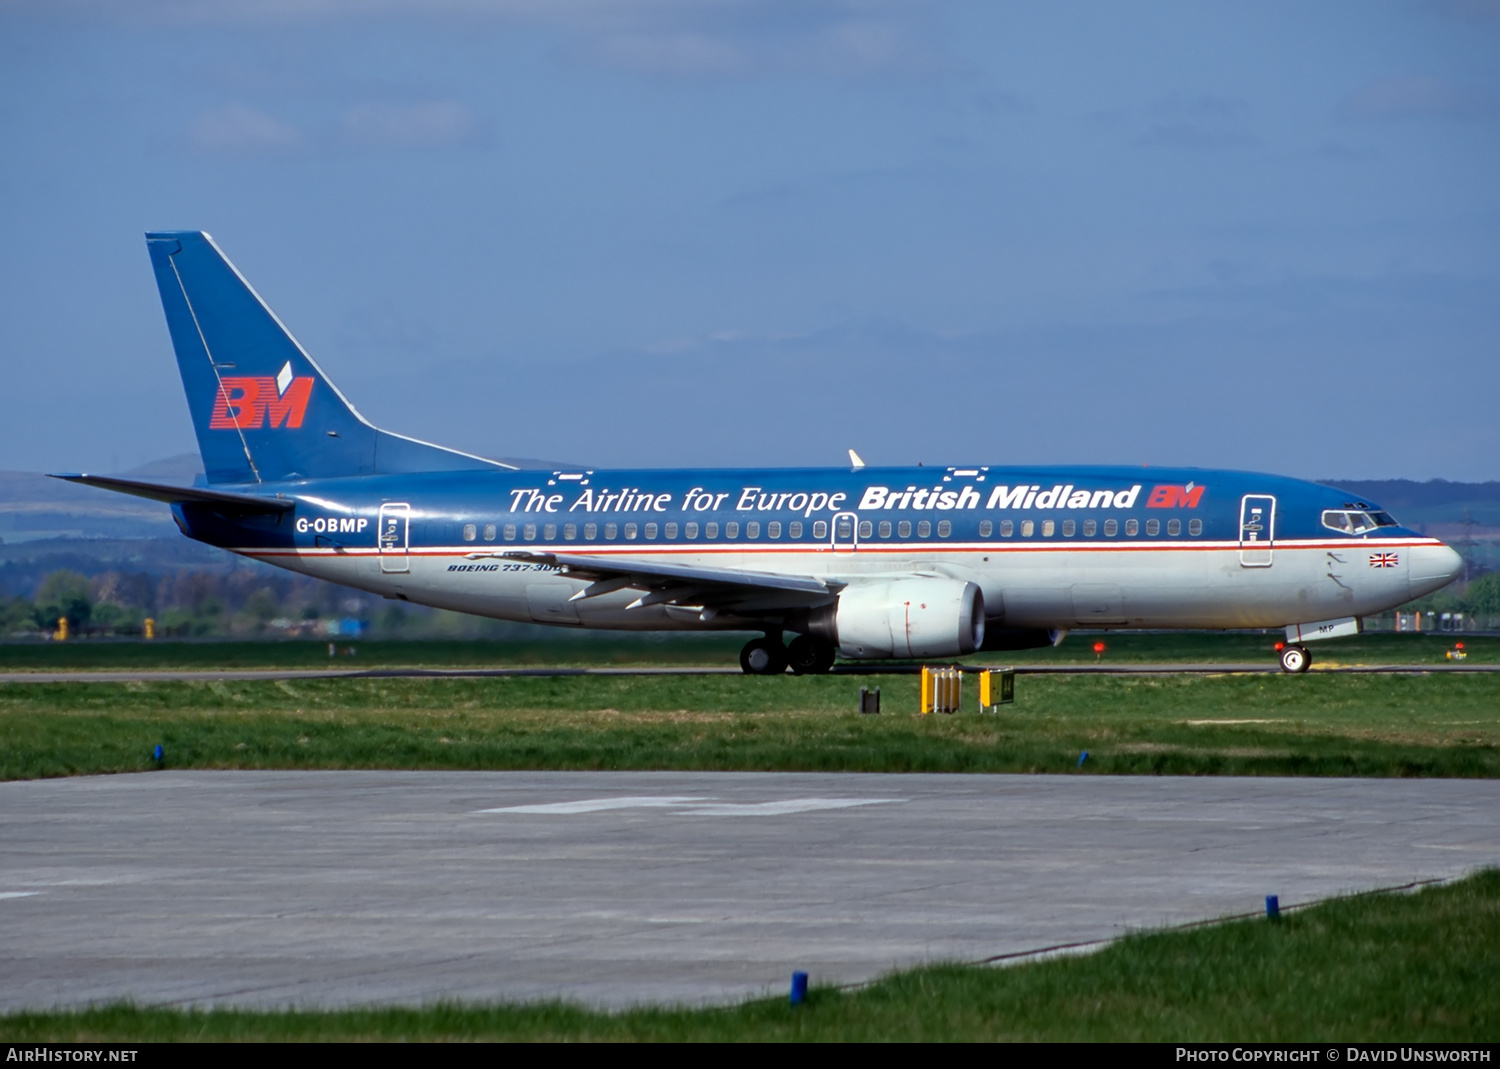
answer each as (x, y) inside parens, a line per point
(1436, 502)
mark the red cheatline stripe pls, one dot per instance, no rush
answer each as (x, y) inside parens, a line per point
(866, 549)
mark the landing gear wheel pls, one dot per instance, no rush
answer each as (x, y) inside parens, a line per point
(763, 657)
(809, 655)
(1295, 659)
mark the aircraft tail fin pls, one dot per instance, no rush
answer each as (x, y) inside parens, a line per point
(262, 409)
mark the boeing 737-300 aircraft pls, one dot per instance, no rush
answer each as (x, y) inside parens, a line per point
(861, 562)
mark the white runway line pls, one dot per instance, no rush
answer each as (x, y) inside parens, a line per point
(598, 805)
(696, 806)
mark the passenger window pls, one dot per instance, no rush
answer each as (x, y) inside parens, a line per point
(570, 531)
(1195, 527)
(795, 528)
(986, 528)
(885, 528)
(510, 532)
(945, 528)
(1026, 528)
(752, 529)
(1089, 527)
(904, 528)
(731, 530)
(489, 532)
(530, 532)
(773, 529)
(692, 530)
(866, 528)
(1068, 528)
(1153, 527)
(550, 532)
(650, 530)
(1006, 528)
(924, 529)
(1111, 528)
(820, 528)
(1174, 527)
(611, 531)
(470, 532)
(671, 530)
(1047, 528)
(591, 531)
(630, 530)
(710, 530)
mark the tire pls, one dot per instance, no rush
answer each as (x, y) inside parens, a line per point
(1295, 660)
(763, 657)
(810, 656)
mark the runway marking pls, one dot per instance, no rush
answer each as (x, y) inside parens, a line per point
(691, 805)
(18, 894)
(776, 809)
(599, 805)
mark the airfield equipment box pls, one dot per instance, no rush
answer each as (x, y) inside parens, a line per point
(997, 687)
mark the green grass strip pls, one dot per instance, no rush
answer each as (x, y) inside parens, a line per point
(1441, 725)
(1373, 968)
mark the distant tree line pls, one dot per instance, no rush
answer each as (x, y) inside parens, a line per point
(200, 603)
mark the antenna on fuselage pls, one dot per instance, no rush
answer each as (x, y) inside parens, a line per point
(854, 459)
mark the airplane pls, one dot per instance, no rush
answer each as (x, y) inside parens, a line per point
(864, 563)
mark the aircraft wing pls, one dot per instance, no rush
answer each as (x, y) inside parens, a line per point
(685, 584)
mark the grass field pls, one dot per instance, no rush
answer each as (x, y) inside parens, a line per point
(1343, 725)
(1374, 969)
(611, 648)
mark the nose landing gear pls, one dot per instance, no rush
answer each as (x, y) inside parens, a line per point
(1295, 659)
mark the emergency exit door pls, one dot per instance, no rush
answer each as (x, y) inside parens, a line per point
(1257, 530)
(393, 531)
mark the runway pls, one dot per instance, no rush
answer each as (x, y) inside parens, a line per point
(341, 888)
(248, 674)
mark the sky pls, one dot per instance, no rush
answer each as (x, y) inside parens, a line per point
(753, 232)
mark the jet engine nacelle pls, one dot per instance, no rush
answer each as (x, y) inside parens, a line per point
(935, 617)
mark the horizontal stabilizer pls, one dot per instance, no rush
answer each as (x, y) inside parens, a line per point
(177, 495)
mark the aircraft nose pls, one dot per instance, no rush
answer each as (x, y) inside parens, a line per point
(1431, 568)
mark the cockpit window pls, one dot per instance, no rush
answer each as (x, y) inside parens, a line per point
(1353, 522)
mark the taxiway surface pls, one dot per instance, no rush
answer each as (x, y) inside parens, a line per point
(339, 888)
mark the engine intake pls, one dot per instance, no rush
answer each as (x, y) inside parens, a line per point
(935, 617)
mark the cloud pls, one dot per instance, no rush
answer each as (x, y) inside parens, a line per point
(1197, 123)
(1419, 97)
(665, 38)
(438, 124)
(237, 130)
(1472, 10)
(1189, 136)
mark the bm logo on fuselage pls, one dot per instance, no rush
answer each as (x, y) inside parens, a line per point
(248, 402)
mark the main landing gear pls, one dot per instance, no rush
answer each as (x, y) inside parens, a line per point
(1295, 659)
(807, 655)
(763, 657)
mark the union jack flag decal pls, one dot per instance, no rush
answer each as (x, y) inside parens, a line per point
(1384, 560)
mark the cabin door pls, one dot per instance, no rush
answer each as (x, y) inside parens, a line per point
(1257, 530)
(394, 534)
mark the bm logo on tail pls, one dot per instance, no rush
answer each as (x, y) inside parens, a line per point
(246, 402)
